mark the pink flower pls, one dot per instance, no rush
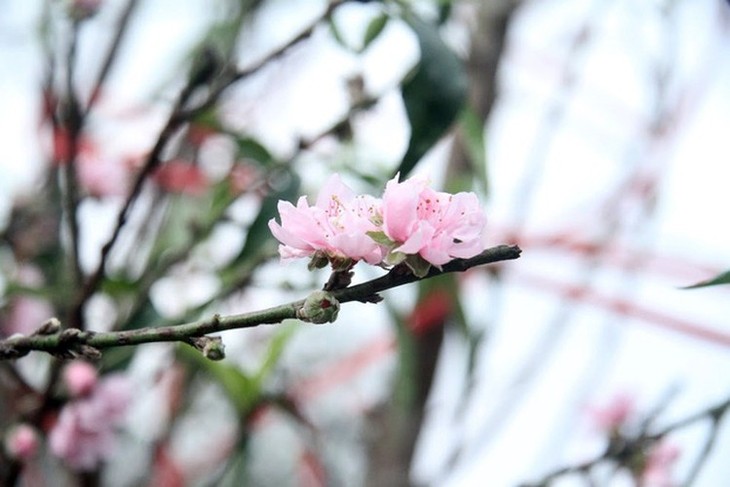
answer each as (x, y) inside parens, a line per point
(337, 225)
(658, 469)
(84, 434)
(615, 414)
(438, 226)
(80, 378)
(22, 442)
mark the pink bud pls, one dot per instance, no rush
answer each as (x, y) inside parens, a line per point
(612, 416)
(80, 378)
(22, 442)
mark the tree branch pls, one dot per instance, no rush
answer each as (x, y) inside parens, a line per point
(621, 452)
(74, 342)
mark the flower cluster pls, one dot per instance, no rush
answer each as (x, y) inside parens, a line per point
(411, 223)
(84, 434)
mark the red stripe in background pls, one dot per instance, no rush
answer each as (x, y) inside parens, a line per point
(344, 369)
(623, 307)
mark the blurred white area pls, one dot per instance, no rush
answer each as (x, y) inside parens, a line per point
(613, 213)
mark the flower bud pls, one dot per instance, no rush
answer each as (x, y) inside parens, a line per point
(21, 442)
(319, 307)
(80, 378)
(212, 348)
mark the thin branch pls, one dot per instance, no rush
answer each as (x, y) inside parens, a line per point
(238, 75)
(111, 55)
(152, 162)
(643, 440)
(74, 342)
(179, 115)
(72, 121)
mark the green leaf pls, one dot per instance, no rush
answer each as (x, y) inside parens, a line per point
(723, 278)
(242, 389)
(418, 265)
(252, 149)
(381, 238)
(433, 95)
(336, 33)
(472, 130)
(259, 235)
(119, 286)
(277, 345)
(374, 29)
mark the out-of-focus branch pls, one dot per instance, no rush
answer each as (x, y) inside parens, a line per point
(235, 75)
(179, 115)
(391, 452)
(111, 55)
(624, 450)
(73, 123)
(75, 342)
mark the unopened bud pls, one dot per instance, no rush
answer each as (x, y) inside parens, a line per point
(80, 378)
(212, 348)
(319, 307)
(21, 442)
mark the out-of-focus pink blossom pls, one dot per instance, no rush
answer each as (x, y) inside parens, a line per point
(26, 314)
(242, 177)
(659, 462)
(615, 414)
(84, 434)
(80, 378)
(437, 226)
(21, 442)
(99, 174)
(179, 176)
(338, 224)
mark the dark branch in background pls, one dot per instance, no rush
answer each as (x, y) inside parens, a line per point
(75, 342)
(111, 55)
(628, 448)
(392, 447)
(180, 114)
(235, 75)
(72, 121)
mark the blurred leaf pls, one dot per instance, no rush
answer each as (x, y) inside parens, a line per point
(242, 389)
(374, 29)
(252, 149)
(119, 286)
(723, 278)
(433, 94)
(474, 142)
(258, 235)
(146, 315)
(278, 342)
(336, 33)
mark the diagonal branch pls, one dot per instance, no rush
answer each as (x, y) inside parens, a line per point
(73, 342)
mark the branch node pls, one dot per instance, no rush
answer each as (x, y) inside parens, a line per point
(212, 348)
(50, 327)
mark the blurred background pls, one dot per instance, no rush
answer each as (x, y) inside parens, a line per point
(592, 130)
